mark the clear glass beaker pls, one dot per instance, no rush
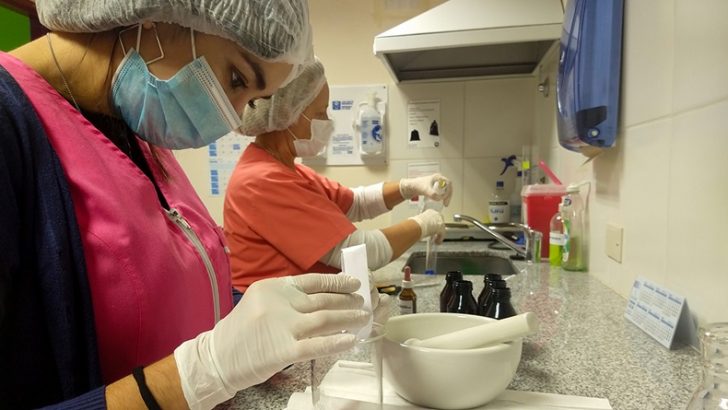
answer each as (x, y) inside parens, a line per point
(713, 391)
(352, 377)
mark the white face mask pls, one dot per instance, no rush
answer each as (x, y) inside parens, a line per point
(321, 131)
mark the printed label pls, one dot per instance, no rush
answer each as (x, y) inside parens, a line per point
(499, 211)
(406, 307)
(556, 238)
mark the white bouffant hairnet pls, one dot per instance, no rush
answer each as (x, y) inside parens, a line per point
(274, 30)
(287, 104)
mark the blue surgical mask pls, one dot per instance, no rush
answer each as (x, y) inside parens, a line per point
(189, 110)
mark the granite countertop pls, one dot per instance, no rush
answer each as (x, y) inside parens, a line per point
(585, 346)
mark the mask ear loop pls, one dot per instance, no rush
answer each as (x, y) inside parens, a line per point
(139, 41)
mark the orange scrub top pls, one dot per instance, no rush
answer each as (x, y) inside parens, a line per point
(280, 222)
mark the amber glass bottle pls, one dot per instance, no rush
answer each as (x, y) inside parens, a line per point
(500, 306)
(463, 300)
(486, 286)
(448, 291)
(407, 297)
(492, 284)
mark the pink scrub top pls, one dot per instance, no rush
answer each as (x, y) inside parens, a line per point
(280, 221)
(150, 285)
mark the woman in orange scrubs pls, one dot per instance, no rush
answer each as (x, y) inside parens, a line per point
(282, 218)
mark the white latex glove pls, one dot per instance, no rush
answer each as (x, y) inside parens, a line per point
(278, 322)
(434, 186)
(380, 302)
(431, 223)
(381, 305)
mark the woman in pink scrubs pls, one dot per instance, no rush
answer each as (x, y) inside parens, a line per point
(282, 218)
(114, 281)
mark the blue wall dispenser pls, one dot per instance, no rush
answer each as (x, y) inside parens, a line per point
(587, 87)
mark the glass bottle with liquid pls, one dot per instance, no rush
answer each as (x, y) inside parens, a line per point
(573, 256)
(407, 297)
(449, 289)
(712, 393)
(556, 238)
(500, 306)
(487, 278)
(492, 284)
(463, 300)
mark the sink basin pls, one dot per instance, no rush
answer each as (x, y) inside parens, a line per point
(467, 263)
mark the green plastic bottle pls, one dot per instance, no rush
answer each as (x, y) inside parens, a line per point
(556, 239)
(573, 255)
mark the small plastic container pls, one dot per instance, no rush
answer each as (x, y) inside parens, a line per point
(540, 203)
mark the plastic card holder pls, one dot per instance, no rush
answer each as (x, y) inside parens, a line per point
(659, 312)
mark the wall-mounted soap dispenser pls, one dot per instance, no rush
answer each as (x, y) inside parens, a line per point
(371, 133)
(587, 87)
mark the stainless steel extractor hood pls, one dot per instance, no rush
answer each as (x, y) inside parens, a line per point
(471, 38)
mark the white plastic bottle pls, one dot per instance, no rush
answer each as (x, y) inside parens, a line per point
(515, 199)
(498, 207)
(371, 137)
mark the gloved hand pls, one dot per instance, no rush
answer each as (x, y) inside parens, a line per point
(279, 321)
(431, 223)
(380, 304)
(433, 186)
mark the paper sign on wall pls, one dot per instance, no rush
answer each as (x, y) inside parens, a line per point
(222, 155)
(658, 311)
(423, 124)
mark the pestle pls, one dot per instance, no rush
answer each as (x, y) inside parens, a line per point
(503, 330)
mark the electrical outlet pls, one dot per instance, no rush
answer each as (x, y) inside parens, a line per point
(614, 242)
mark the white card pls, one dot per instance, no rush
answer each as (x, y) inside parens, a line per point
(655, 310)
(354, 263)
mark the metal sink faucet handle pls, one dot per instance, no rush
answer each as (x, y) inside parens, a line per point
(532, 249)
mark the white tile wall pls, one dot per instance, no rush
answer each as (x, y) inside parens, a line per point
(664, 182)
(701, 52)
(698, 210)
(647, 66)
(643, 201)
(498, 116)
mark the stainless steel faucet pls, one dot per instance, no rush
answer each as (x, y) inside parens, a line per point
(532, 249)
